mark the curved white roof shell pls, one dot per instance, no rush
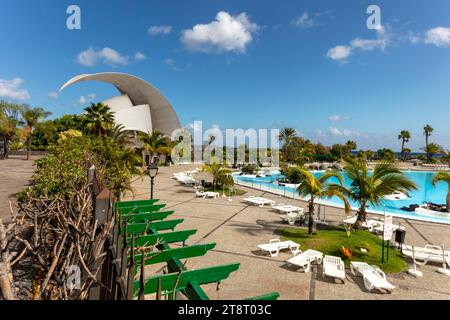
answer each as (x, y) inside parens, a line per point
(140, 107)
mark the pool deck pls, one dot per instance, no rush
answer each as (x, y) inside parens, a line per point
(238, 228)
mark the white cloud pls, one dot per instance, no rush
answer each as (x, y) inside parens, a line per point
(342, 52)
(319, 133)
(414, 38)
(171, 64)
(91, 57)
(343, 132)
(439, 36)
(88, 98)
(225, 34)
(11, 89)
(304, 21)
(156, 30)
(339, 53)
(52, 95)
(337, 117)
(139, 56)
(82, 100)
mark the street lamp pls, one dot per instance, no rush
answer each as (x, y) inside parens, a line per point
(152, 170)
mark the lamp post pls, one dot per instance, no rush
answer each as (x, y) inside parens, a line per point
(152, 170)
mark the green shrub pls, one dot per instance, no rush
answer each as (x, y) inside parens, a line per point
(64, 169)
(249, 169)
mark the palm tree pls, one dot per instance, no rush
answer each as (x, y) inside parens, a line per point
(406, 152)
(155, 143)
(443, 177)
(286, 135)
(427, 130)
(404, 136)
(431, 149)
(9, 120)
(32, 116)
(319, 188)
(371, 187)
(218, 171)
(118, 134)
(351, 145)
(445, 157)
(99, 118)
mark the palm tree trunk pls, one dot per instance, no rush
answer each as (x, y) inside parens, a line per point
(311, 216)
(5, 148)
(29, 147)
(447, 202)
(426, 146)
(361, 216)
(402, 155)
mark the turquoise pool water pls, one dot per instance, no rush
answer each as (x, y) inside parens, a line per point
(425, 193)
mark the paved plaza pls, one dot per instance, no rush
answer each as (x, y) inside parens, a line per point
(15, 173)
(238, 228)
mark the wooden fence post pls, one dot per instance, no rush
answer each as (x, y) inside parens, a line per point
(6, 278)
(103, 213)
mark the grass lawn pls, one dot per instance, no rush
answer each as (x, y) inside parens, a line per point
(332, 239)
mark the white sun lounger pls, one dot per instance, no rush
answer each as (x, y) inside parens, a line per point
(200, 194)
(258, 201)
(380, 228)
(333, 267)
(426, 254)
(304, 259)
(275, 246)
(287, 208)
(374, 277)
(291, 217)
(369, 224)
(211, 194)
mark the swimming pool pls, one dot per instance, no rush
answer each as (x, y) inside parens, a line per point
(425, 193)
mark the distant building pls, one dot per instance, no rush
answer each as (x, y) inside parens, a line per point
(140, 107)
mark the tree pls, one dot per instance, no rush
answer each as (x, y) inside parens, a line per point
(351, 145)
(427, 130)
(218, 171)
(99, 119)
(293, 174)
(445, 157)
(406, 152)
(371, 187)
(386, 155)
(32, 116)
(404, 136)
(43, 135)
(155, 143)
(286, 135)
(370, 154)
(431, 149)
(249, 169)
(338, 150)
(443, 177)
(9, 120)
(71, 121)
(118, 134)
(320, 188)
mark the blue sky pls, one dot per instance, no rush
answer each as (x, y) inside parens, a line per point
(311, 65)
